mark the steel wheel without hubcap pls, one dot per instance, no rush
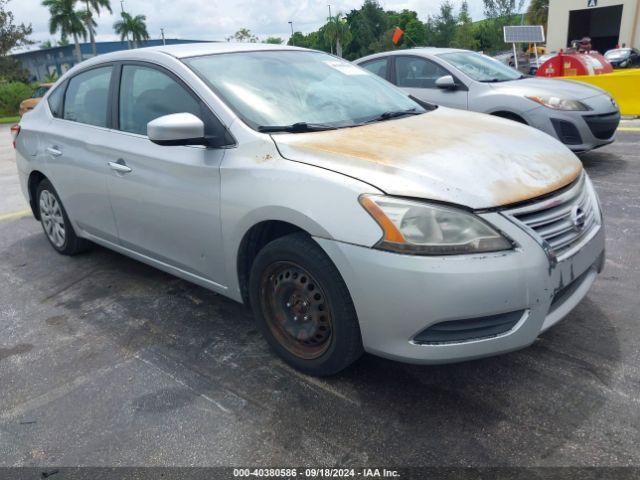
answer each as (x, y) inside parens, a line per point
(52, 219)
(296, 310)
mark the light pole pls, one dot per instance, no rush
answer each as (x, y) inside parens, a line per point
(292, 41)
(331, 44)
(162, 33)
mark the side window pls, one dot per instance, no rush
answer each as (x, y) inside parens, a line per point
(87, 97)
(147, 93)
(377, 66)
(55, 100)
(415, 72)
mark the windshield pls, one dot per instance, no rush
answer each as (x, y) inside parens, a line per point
(621, 52)
(480, 67)
(271, 88)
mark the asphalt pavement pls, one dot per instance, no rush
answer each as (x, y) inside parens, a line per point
(105, 361)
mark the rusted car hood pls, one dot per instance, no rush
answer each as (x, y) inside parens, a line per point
(449, 155)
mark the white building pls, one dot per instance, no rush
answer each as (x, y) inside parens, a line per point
(607, 22)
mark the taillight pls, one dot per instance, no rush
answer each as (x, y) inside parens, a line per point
(15, 130)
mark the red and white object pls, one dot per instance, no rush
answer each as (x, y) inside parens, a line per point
(572, 64)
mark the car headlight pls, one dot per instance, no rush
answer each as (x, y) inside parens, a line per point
(558, 103)
(428, 229)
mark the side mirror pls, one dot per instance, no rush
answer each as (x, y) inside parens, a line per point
(446, 82)
(177, 129)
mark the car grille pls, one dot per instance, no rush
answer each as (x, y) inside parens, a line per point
(562, 221)
(603, 126)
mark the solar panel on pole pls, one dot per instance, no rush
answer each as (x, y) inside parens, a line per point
(524, 34)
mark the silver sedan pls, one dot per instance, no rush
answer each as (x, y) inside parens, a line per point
(348, 216)
(579, 115)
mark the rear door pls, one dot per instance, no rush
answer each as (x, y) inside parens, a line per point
(417, 76)
(167, 198)
(75, 145)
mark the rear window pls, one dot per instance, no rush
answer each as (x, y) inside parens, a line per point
(87, 96)
(55, 100)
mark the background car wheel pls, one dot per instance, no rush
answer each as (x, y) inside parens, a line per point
(303, 307)
(55, 222)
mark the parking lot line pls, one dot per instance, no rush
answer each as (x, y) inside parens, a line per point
(629, 129)
(15, 215)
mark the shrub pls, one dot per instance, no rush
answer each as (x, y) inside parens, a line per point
(11, 94)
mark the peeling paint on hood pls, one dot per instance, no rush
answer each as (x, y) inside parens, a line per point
(447, 155)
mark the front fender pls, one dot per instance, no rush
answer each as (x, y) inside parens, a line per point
(258, 185)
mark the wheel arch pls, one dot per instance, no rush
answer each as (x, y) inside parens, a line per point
(254, 239)
(35, 177)
(510, 116)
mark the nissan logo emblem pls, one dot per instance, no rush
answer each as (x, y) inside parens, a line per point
(577, 218)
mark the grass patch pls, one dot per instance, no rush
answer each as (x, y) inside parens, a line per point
(15, 119)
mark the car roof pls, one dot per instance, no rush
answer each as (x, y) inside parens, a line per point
(184, 50)
(422, 51)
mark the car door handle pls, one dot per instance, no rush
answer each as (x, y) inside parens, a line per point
(54, 151)
(119, 166)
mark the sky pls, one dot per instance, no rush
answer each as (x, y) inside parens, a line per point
(217, 19)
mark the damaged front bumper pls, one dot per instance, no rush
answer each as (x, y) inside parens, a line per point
(446, 309)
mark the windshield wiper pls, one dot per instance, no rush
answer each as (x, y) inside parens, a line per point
(394, 114)
(298, 127)
(499, 80)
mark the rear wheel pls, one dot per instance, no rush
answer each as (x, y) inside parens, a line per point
(55, 223)
(303, 307)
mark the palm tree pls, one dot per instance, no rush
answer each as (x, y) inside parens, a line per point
(337, 30)
(93, 6)
(537, 13)
(135, 27)
(67, 20)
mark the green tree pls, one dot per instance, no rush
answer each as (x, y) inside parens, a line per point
(368, 26)
(46, 44)
(243, 35)
(93, 7)
(465, 33)
(445, 25)
(337, 32)
(64, 18)
(63, 42)
(50, 77)
(274, 40)
(538, 13)
(499, 13)
(12, 35)
(133, 29)
(414, 29)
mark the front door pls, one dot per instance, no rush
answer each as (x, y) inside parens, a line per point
(417, 76)
(165, 198)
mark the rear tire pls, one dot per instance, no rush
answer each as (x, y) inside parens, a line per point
(55, 222)
(303, 307)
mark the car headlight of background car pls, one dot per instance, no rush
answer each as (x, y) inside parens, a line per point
(428, 229)
(558, 103)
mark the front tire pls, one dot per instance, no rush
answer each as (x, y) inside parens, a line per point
(303, 307)
(55, 222)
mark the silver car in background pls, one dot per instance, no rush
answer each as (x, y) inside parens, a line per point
(579, 115)
(348, 216)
